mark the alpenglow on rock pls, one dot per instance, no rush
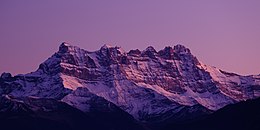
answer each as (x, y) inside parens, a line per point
(147, 84)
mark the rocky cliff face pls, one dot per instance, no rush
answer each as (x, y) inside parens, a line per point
(147, 84)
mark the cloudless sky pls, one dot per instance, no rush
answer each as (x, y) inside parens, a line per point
(222, 33)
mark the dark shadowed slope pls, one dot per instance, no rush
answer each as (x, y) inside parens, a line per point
(241, 116)
(48, 114)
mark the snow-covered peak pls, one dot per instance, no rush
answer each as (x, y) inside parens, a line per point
(144, 84)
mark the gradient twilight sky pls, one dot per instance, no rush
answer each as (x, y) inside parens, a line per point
(222, 33)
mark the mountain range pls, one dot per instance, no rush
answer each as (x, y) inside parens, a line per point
(114, 89)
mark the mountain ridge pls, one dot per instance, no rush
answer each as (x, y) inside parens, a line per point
(146, 84)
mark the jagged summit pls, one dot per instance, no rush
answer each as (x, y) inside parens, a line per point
(150, 49)
(108, 50)
(150, 52)
(167, 53)
(168, 50)
(181, 49)
(65, 47)
(65, 44)
(108, 46)
(6, 76)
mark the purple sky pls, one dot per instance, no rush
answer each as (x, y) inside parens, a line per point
(222, 33)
